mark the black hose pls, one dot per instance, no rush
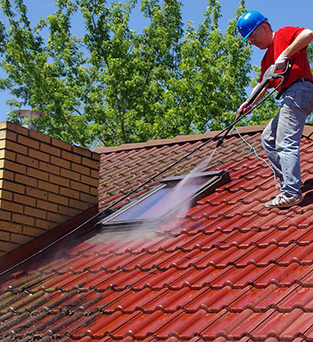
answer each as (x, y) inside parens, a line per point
(271, 70)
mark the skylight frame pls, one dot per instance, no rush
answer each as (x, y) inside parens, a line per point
(215, 179)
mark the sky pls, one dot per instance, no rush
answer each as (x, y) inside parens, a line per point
(279, 13)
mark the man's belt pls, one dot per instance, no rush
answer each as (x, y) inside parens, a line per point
(301, 79)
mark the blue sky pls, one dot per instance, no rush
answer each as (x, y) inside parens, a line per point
(279, 12)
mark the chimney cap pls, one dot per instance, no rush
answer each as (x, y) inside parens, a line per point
(29, 113)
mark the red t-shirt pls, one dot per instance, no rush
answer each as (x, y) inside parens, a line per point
(300, 64)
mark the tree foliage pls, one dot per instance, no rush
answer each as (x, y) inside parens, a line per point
(115, 85)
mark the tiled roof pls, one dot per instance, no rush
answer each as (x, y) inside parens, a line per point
(233, 270)
(127, 166)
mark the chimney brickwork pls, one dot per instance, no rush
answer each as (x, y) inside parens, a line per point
(43, 182)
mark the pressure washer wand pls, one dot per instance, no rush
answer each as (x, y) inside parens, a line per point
(269, 75)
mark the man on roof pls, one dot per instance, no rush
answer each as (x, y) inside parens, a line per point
(281, 137)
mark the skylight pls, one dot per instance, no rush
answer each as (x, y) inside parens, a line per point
(170, 194)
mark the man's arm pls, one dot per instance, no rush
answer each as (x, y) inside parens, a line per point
(245, 107)
(303, 40)
(260, 96)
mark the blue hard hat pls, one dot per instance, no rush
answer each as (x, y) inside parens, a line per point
(248, 22)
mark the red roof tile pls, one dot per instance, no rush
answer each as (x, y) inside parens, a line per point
(232, 270)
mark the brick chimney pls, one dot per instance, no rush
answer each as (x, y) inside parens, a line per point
(43, 182)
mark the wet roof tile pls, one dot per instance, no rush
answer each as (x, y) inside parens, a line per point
(231, 270)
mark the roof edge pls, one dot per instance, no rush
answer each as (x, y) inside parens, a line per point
(177, 140)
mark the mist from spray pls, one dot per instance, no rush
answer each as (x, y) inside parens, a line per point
(178, 214)
(171, 204)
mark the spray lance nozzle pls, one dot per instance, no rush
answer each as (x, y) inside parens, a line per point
(268, 76)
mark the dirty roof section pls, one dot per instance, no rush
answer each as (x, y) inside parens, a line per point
(231, 270)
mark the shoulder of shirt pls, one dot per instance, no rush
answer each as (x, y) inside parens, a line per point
(289, 28)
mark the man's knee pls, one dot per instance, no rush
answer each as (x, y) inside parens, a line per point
(265, 137)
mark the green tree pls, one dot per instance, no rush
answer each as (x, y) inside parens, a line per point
(131, 68)
(47, 75)
(114, 85)
(214, 74)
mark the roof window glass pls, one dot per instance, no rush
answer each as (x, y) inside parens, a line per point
(170, 194)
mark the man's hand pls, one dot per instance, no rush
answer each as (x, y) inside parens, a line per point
(281, 61)
(243, 109)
